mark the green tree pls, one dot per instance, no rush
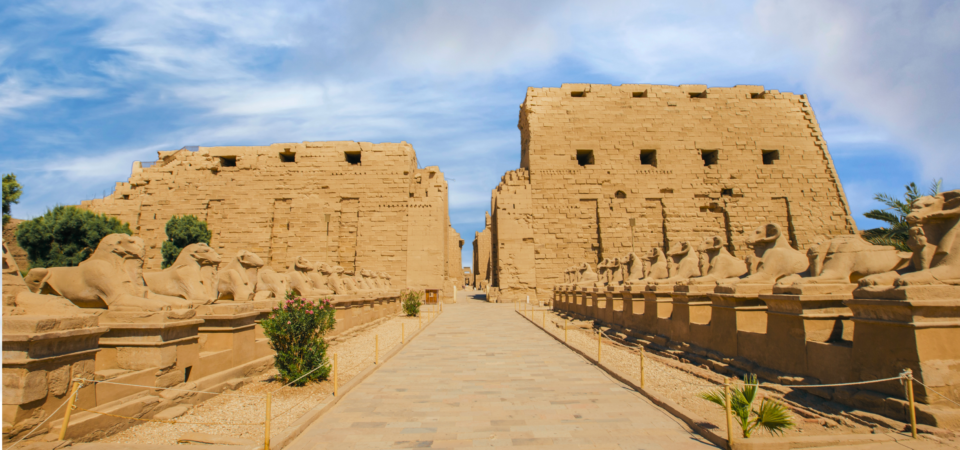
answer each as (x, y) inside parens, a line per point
(895, 215)
(11, 194)
(181, 232)
(772, 416)
(65, 235)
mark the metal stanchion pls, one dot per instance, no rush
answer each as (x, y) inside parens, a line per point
(266, 426)
(564, 331)
(403, 332)
(726, 401)
(376, 351)
(913, 406)
(66, 414)
(335, 375)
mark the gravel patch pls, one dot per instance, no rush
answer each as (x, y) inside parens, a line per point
(234, 416)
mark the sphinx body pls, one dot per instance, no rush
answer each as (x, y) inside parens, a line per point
(104, 280)
(239, 278)
(717, 263)
(193, 276)
(773, 257)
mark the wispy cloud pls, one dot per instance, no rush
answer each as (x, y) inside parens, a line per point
(83, 83)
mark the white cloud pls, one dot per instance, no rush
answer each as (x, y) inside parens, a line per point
(890, 64)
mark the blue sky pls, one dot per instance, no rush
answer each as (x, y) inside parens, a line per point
(88, 87)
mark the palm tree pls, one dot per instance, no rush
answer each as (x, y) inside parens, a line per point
(772, 416)
(895, 215)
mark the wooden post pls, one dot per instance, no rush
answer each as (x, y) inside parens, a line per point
(66, 414)
(544, 321)
(642, 380)
(266, 426)
(376, 351)
(419, 321)
(335, 375)
(564, 331)
(599, 344)
(403, 332)
(726, 401)
(913, 406)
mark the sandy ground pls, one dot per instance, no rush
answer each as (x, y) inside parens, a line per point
(667, 377)
(247, 405)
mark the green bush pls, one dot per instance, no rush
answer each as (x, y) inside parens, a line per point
(65, 235)
(411, 302)
(11, 194)
(296, 329)
(181, 232)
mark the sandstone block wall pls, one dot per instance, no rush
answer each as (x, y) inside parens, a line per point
(681, 162)
(355, 204)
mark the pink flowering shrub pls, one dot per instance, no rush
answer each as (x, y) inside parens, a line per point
(296, 328)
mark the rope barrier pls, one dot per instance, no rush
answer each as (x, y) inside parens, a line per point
(65, 401)
(165, 389)
(170, 422)
(935, 392)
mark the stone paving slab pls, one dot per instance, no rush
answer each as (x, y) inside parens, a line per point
(481, 376)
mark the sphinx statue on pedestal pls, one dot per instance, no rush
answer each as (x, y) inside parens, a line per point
(773, 258)
(716, 263)
(238, 279)
(104, 280)
(193, 276)
(934, 241)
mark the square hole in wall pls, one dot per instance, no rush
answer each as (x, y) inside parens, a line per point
(756, 95)
(288, 157)
(648, 157)
(228, 161)
(578, 94)
(585, 157)
(726, 192)
(710, 157)
(352, 157)
(698, 94)
(769, 156)
(640, 94)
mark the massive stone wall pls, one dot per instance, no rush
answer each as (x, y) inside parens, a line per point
(610, 169)
(355, 204)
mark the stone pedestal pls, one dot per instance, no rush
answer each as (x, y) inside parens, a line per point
(167, 343)
(41, 355)
(808, 334)
(614, 310)
(913, 327)
(731, 315)
(227, 336)
(657, 309)
(633, 306)
(691, 314)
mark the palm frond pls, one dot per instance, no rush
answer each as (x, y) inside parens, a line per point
(884, 216)
(894, 204)
(773, 417)
(900, 244)
(935, 186)
(715, 397)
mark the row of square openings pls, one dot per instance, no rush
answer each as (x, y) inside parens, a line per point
(291, 157)
(643, 94)
(649, 157)
(623, 195)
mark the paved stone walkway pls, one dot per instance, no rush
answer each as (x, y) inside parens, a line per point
(481, 376)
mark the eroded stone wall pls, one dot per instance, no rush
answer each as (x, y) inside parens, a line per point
(610, 169)
(355, 204)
